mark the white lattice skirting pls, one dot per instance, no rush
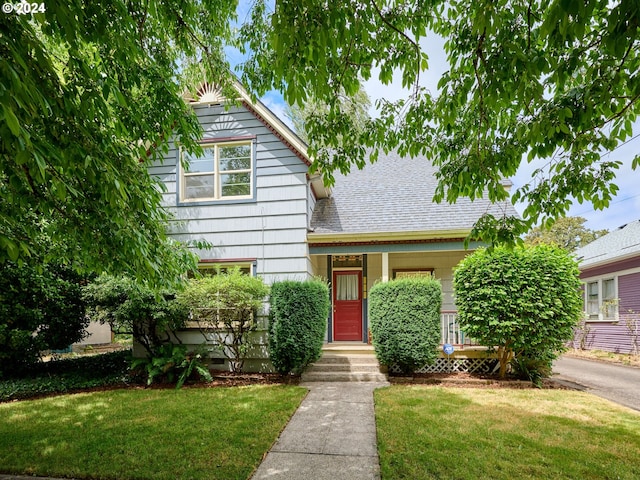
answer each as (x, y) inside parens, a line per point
(466, 365)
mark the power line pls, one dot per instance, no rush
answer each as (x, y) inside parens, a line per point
(591, 210)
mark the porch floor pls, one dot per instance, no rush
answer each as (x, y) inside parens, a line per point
(348, 347)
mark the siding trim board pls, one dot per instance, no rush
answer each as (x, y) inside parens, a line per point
(267, 124)
(615, 267)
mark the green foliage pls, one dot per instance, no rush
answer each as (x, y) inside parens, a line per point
(525, 301)
(297, 323)
(566, 232)
(405, 322)
(553, 82)
(40, 309)
(171, 363)
(129, 306)
(533, 369)
(66, 375)
(226, 307)
(89, 98)
(354, 109)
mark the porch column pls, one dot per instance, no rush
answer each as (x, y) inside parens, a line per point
(385, 266)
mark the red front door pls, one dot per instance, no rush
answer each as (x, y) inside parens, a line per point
(347, 306)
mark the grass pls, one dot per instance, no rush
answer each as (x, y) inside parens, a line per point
(621, 358)
(458, 433)
(195, 433)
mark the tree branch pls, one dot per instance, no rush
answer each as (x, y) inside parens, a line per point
(401, 33)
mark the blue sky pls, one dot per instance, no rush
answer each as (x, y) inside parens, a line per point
(624, 208)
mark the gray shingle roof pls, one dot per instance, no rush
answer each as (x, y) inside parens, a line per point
(395, 195)
(618, 244)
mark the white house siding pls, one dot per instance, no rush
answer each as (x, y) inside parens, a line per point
(272, 228)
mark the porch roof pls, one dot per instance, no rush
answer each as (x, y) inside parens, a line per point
(394, 195)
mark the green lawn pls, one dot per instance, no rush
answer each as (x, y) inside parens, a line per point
(457, 433)
(195, 433)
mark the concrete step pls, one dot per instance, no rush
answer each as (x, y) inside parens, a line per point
(345, 359)
(337, 364)
(321, 366)
(343, 377)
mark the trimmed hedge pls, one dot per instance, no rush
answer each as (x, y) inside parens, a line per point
(405, 322)
(297, 324)
(67, 375)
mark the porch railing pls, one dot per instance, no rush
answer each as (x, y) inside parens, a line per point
(450, 329)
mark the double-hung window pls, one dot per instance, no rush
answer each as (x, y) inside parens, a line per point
(223, 172)
(601, 299)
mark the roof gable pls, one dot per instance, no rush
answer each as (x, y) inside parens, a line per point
(212, 95)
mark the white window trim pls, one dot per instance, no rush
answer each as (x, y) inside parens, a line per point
(217, 173)
(600, 280)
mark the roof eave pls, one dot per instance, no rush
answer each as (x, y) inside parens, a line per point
(324, 238)
(608, 261)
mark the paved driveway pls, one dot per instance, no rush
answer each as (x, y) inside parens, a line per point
(618, 383)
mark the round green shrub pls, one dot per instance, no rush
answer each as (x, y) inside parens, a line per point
(525, 301)
(405, 322)
(297, 324)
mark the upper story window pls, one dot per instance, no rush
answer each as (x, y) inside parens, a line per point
(601, 299)
(223, 172)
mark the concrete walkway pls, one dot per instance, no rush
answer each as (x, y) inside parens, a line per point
(331, 436)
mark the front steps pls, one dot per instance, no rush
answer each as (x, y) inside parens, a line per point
(345, 363)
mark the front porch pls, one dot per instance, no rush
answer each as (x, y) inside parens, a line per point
(352, 275)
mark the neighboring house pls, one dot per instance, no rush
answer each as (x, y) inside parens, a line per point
(610, 271)
(253, 198)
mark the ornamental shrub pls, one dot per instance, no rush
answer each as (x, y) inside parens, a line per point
(40, 309)
(129, 306)
(226, 307)
(297, 323)
(524, 301)
(405, 322)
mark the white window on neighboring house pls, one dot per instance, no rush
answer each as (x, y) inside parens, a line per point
(601, 299)
(224, 171)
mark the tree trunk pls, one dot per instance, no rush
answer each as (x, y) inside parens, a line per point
(504, 356)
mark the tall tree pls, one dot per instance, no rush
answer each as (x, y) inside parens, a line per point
(355, 108)
(567, 232)
(89, 97)
(551, 82)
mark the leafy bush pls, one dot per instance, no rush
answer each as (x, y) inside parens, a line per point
(297, 323)
(172, 363)
(61, 376)
(405, 322)
(226, 306)
(40, 309)
(149, 314)
(525, 301)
